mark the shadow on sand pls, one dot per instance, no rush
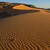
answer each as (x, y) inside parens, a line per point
(13, 12)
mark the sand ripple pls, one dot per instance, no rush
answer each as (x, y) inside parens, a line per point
(25, 32)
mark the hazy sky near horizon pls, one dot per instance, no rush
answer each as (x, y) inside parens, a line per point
(38, 3)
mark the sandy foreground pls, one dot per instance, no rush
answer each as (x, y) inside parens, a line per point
(29, 31)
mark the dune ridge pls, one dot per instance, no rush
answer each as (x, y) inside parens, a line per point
(22, 7)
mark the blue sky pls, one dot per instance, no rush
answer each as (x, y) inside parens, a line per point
(38, 3)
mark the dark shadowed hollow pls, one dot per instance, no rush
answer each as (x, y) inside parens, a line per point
(13, 12)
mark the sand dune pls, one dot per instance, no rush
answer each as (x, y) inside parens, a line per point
(29, 31)
(22, 7)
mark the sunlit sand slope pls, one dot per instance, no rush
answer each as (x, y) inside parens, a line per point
(29, 31)
(22, 7)
(43, 11)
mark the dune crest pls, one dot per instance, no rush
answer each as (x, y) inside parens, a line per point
(22, 7)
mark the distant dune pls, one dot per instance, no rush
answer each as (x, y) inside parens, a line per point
(19, 6)
(22, 7)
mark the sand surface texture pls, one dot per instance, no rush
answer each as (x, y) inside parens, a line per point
(29, 31)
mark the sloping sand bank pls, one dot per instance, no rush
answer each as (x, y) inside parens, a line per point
(29, 31)
(22, 7)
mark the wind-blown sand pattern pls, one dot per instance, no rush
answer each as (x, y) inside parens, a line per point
(29, 31)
